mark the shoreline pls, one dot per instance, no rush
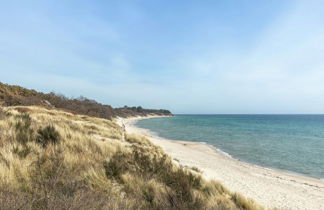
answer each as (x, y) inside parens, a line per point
(268, 187)
(133, 121)
(287, 172)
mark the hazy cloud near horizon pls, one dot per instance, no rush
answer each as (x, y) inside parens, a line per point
(188, 56)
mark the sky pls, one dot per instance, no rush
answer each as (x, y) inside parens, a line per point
(207, 57)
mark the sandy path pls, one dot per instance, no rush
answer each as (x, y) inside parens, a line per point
(270, 188)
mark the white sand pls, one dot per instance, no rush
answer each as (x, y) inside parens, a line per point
(268, 187)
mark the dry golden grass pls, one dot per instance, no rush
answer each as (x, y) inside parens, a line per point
(51, 159)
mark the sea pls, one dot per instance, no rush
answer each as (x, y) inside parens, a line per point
(291, 143)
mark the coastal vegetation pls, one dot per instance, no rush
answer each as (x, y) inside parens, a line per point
(12, 95)
(53, 159)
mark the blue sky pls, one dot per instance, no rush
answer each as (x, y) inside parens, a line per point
(187, 56)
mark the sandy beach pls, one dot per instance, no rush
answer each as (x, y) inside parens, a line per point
(270, 188)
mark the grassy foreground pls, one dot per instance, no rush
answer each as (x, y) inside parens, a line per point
(50, 159)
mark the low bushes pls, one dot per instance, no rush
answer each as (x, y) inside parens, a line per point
(24, 132)
(12, 95)
(47, 135)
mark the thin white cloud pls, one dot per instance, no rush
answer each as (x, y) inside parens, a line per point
(282, 73)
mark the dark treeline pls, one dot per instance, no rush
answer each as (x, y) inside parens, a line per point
(11, 95)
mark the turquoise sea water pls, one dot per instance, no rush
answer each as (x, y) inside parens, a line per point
(292, 143)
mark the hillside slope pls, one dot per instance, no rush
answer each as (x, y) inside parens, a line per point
(11, 95)
(51, 159)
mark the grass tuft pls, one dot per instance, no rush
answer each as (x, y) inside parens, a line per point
(24, 133)
(196, 169)
(22, 152)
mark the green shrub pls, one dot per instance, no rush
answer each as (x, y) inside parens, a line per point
(47, 135)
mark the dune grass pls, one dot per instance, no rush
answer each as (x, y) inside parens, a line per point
(51, 159)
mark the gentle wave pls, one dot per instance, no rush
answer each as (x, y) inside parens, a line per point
(218, 150)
